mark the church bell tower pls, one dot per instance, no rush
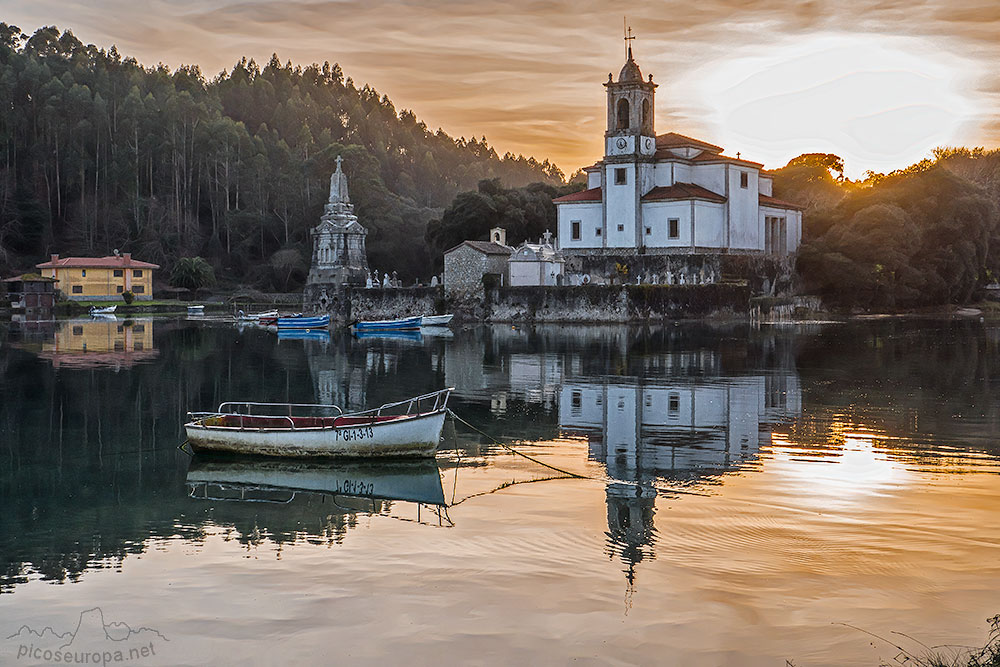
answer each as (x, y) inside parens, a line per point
(629, 148)
(630, 111)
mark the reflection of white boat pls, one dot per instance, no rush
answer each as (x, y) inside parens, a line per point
(435, 320)
(257, 480)
(106, 310)
(196, 310)
(411, 427)
(104, 316)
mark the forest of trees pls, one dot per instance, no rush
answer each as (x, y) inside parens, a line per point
(101, 153)
(921, 236)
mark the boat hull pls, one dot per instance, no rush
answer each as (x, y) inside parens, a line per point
(321, 322)
(436, 320)
(410, 323)
(416, 436)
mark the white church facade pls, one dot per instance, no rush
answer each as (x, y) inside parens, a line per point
(670, 193)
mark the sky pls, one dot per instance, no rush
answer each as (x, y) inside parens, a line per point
(879, 83)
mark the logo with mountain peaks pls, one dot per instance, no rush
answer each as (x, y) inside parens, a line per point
(94, 641)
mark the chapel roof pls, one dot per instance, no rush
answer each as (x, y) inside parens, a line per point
(674, 140)
(774, 202)
(682, 191)
(485, 247)
(593, 194)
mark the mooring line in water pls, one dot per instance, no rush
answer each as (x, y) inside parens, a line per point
(567, 472)
(506, 446)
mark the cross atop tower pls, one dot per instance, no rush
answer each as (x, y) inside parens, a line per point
(627, 30)
(339, 160)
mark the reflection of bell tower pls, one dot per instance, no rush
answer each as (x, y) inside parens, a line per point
(631, 533)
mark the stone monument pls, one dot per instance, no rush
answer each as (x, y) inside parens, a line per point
(338, 256)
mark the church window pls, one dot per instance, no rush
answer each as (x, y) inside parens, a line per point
(645, 114)
(649, 230)
(621, 176)
(674, 404)
(575, 230)
(744, 179)
(597, 232)
(623, 114)
(621, 228)
(673, 228)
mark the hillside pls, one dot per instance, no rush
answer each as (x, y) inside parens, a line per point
(101, 152)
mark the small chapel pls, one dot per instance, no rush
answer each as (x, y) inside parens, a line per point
(669, 193)
(339, 257)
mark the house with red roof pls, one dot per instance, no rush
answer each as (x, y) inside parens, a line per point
(101, 278)
(669, 193)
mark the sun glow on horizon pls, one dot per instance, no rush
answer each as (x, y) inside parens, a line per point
(880, 103)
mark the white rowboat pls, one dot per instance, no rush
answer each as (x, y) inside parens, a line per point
(407, 428)
(435, 320)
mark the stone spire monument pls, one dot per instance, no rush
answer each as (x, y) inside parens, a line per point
(338, 256)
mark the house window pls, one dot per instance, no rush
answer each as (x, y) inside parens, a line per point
(119, 345)
(577, 400)
(621, 176)
(138, 346)
(138, 289)
(77, 289)
(597, 232)
(649, 231)
(575, 230)
(673, 228)
(744, 179)
(621, 228)
(674, 404)
(119, 273)
(137, 273)
(83, 272)
(119, 289)
(77, 331)
(139, 328)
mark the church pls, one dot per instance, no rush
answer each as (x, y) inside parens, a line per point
(670, 194)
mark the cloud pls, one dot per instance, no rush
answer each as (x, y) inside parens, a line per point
(525, 73)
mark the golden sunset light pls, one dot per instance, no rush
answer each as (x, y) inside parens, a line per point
(877, 85)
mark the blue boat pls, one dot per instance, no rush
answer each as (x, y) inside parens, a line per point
(407, 324)
(318, 322)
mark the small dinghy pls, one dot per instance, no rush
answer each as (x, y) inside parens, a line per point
(436, 320)
(196, 310)
(106, 310)
(411, 427)
(406, 324)
(304, 322)
(256, 317)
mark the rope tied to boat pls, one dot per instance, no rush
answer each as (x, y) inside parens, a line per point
(508, 447)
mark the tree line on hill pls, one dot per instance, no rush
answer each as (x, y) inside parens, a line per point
(921, 236)
(100, 152)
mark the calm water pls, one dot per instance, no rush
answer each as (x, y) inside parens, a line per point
(750, 494)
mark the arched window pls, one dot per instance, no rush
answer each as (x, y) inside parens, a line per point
(623, 121)
(645, 114)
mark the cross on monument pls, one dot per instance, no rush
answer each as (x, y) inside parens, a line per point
(627, 29)
(548, 237)
(339, 160)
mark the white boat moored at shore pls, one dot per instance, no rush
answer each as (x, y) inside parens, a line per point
(411, 427)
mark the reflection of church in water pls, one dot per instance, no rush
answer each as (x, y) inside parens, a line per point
(686, 425)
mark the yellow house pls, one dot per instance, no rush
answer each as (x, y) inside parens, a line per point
(101, 278)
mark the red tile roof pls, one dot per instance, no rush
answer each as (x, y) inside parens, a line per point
(593, 194)
(706, 157)
(779, 203)
(682, 191)
(110, 262)
(674, 140)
